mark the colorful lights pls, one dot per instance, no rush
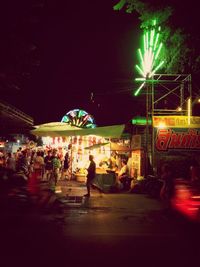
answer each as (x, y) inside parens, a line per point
(79, 118)
(140, 120)
(149, 56)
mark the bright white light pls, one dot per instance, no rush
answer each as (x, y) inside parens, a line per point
(161, 125)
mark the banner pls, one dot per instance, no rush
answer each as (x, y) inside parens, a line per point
(176, 121)
(177, 139)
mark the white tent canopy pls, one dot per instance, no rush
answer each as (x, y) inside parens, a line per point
(60, 129)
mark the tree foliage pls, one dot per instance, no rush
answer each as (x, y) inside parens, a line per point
(179, 54)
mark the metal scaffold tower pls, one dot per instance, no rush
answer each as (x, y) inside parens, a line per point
(169, 94)
(166, 95)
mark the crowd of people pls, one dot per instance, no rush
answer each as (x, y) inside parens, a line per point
(45, 165)
(52, 166)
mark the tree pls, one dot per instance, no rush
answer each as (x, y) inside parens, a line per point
(179, 53)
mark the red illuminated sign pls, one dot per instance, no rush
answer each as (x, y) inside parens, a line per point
(169, 139)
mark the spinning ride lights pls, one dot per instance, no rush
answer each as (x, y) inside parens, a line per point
(150, 61)
(79, 118)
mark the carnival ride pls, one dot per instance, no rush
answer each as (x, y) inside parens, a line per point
(79, 118)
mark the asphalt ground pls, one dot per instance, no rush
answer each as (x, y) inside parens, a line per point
(104, 230)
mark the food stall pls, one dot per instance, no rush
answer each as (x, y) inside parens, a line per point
(80, 143)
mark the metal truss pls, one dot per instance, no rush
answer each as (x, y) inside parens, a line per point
(168, 94)
(10, 112)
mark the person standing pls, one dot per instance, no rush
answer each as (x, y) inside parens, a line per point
(65, 166)
(48, 165)
(167, 189)
(56, 167)
(10, 164)
(91, 174)
(22, 163)
(38, 165)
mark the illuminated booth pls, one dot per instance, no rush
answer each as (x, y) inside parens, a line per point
(103, 142)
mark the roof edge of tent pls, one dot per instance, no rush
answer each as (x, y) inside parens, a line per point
(113, 131)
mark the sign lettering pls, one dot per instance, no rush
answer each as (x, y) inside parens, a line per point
(169, 139)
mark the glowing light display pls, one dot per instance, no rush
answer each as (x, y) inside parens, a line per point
(79, 118)
(149, 55)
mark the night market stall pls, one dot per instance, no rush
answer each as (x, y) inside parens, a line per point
(107, 144)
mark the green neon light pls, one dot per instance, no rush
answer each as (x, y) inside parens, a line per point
(156, 41)
(158, 51)
(147, 40)
(140, 79)
(149, 55)
(140, 54)
(152, 37)
(157, 68)
(140, 70)
(139, 89)
(140, 121)
(89, 125)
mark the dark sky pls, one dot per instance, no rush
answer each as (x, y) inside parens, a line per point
(55, 53)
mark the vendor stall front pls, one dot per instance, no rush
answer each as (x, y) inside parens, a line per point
(105, 143)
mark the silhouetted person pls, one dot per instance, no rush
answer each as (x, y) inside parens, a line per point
(123, 175)
(65, 166)
(167, 190)
(91, 174)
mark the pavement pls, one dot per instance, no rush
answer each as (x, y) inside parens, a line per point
(106, 229)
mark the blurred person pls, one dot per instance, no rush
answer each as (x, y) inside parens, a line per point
(91, 174)
(22, 163)
(123, 175)
(38, 165)
(194, 172)
(3, 171)
(33, 156)
(36, 174)
(124, 169)
(65, 166)
(18, 153)
(2, 161)
(112, 164)
(48, 165)
(10, 163)
(167, 189)
(56, 167)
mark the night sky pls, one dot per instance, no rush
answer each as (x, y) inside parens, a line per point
(54, 54)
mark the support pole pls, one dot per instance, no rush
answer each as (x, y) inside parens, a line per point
(152, 129)
(147, 129)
